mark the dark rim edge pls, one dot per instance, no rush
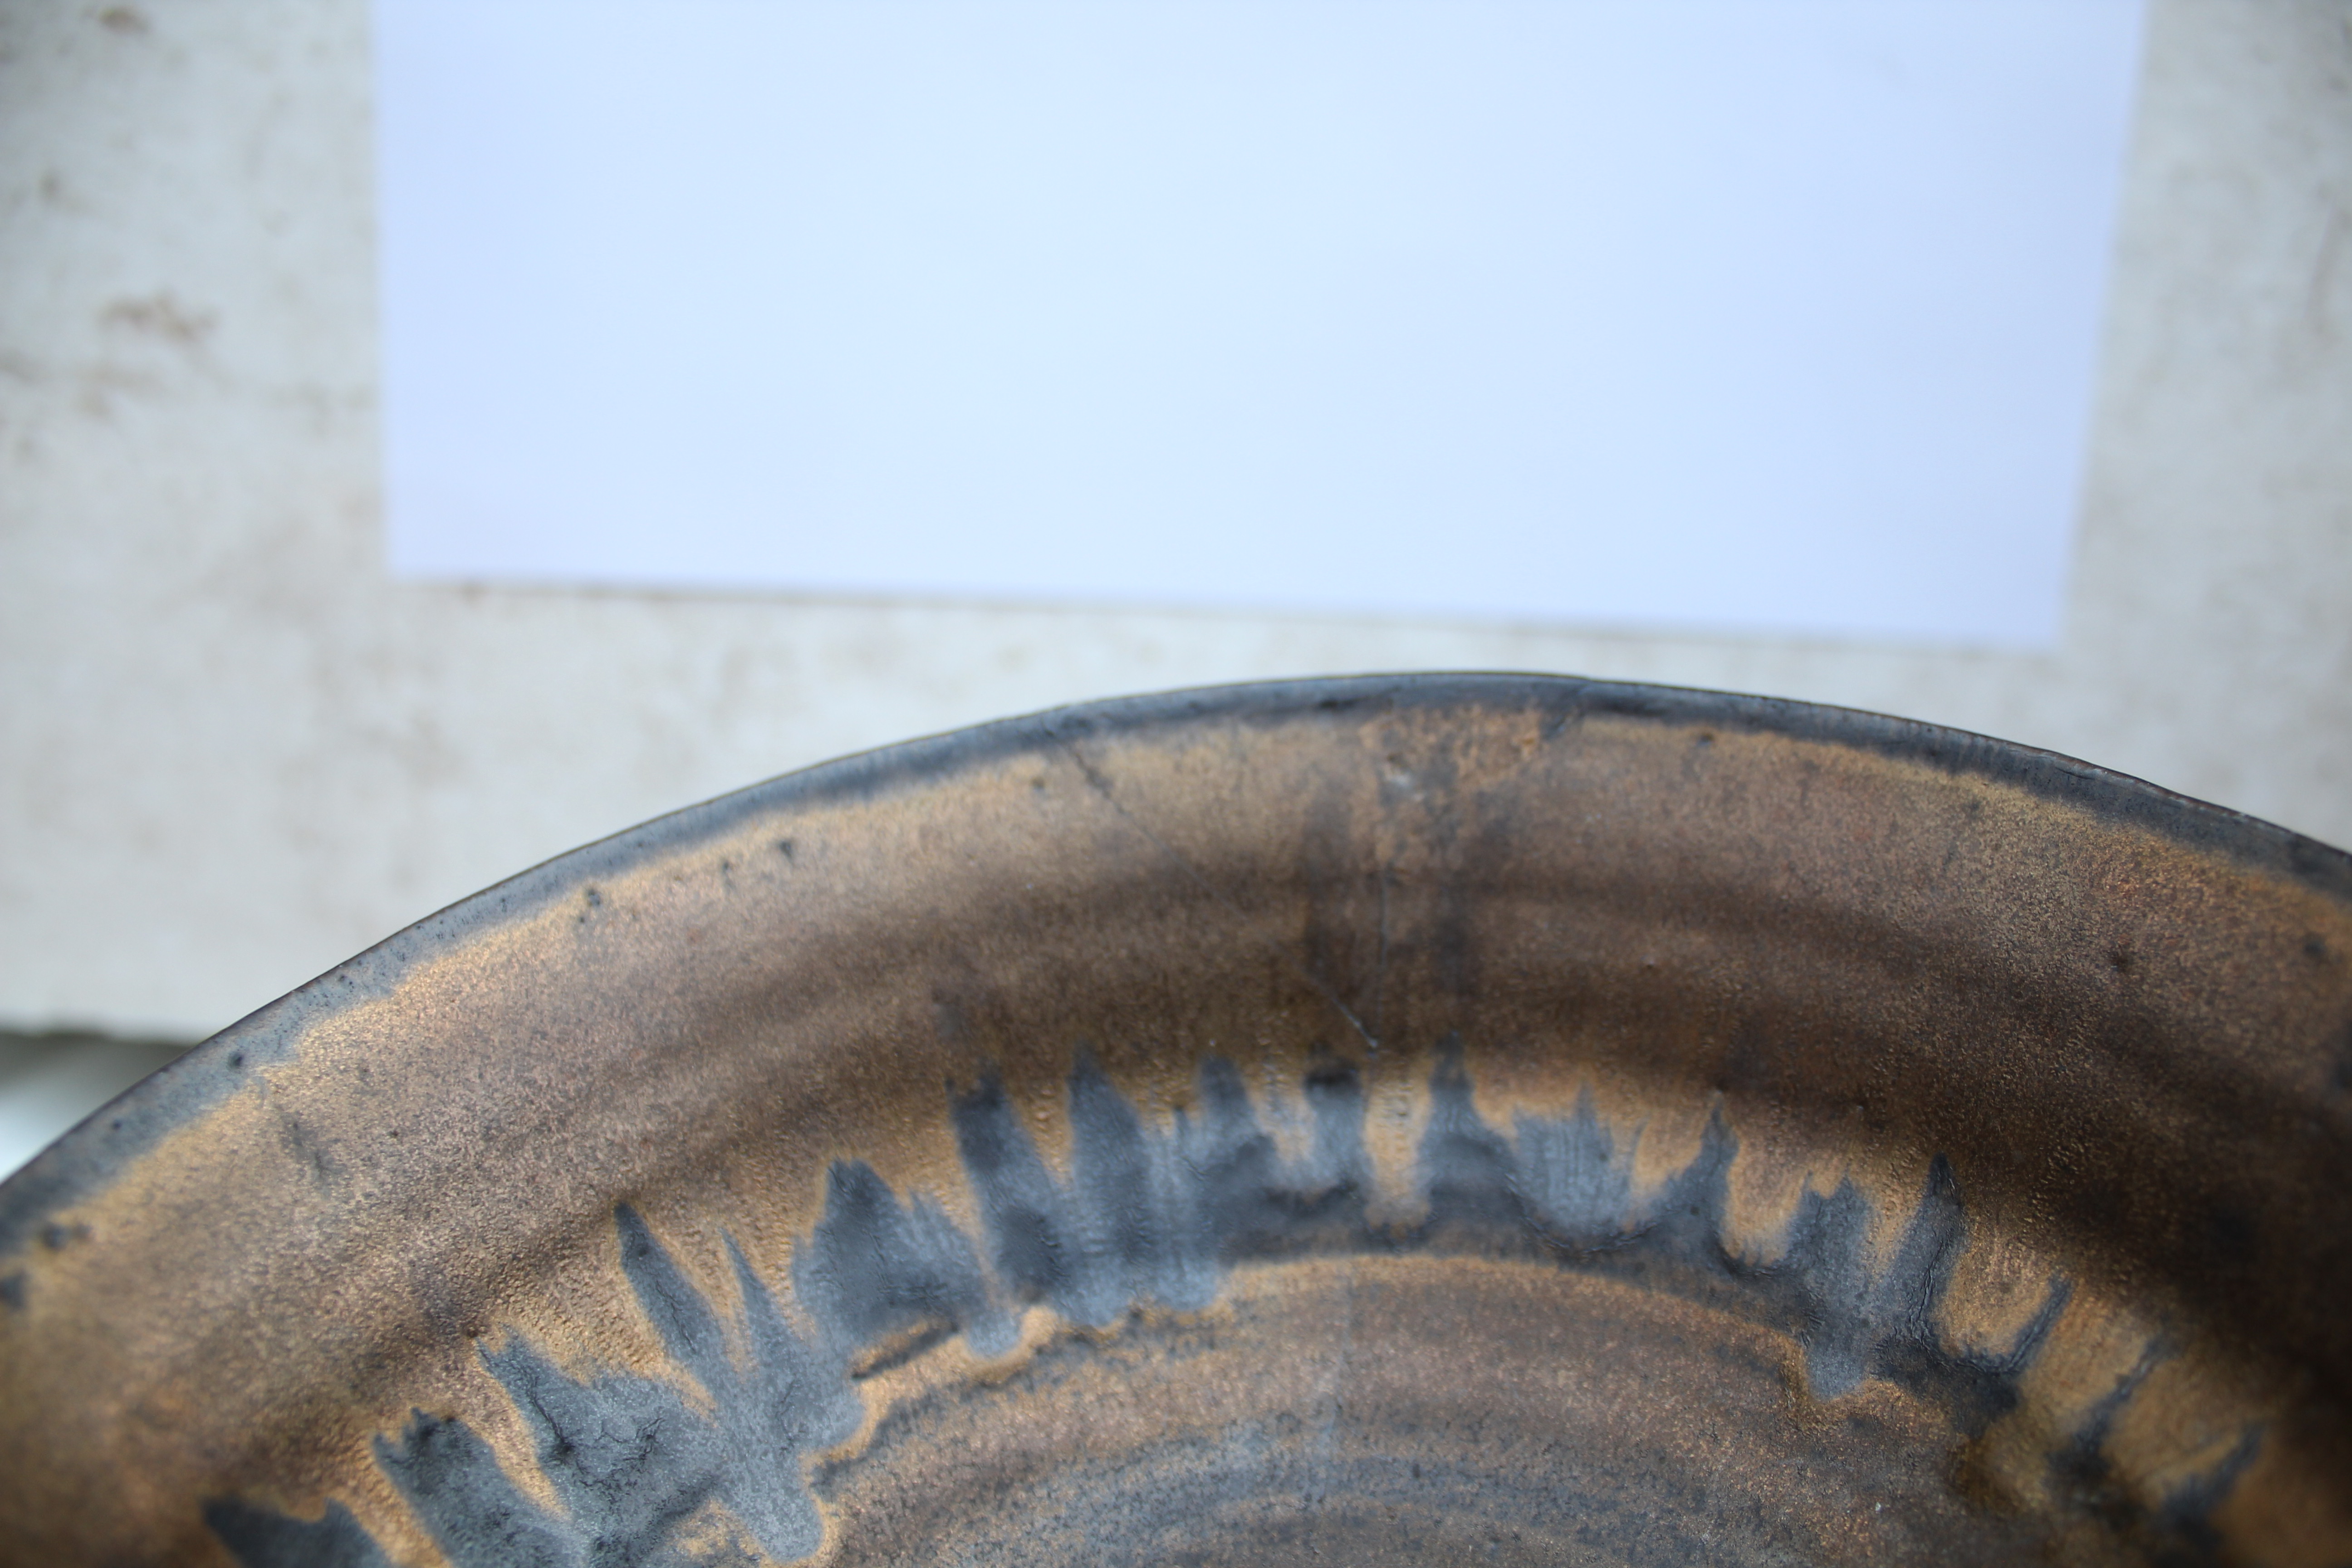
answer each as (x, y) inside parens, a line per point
(84, 1159)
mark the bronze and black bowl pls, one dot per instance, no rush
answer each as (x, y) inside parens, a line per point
(1408, 1121)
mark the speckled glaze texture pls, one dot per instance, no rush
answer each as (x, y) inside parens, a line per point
(1401, 1120)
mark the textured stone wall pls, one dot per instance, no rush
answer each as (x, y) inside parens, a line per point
(232, 752)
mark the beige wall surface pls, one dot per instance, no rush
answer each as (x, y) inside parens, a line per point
(232, 752)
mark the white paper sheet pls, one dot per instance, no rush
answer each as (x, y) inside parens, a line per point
(1772, 315)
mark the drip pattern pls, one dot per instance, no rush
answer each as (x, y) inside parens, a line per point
(1152, 1212)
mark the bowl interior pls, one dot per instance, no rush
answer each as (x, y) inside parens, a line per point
(1410, 1120)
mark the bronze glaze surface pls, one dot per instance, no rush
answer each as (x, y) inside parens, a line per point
(1401, 1120)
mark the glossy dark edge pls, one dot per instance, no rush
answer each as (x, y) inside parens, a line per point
(81, 1163)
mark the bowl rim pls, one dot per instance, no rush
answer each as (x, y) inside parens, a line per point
(87, 1158)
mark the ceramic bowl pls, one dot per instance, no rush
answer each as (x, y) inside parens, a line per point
(1432, 1120)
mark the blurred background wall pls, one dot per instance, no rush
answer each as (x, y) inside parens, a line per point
(233, 753)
